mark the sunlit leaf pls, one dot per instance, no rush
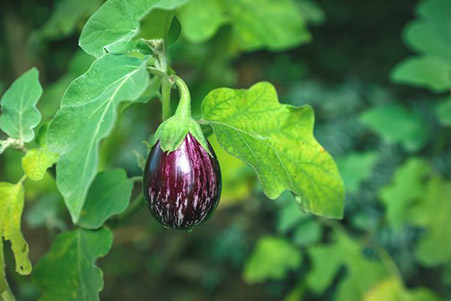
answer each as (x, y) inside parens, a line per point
(201, 19)
(272, 258)
(391, 289)
(277, 141)
(36, 162)
(433, 213)
(11, 207)
(5, 292)
(356, 168)
(396, 124)
(108, 195)
(238, 179)
(362, 273)
(408, 185)
(68, 271)
(116, 23)
(86, 116)
(19, 115)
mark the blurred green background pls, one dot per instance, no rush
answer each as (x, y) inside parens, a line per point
(378, 75)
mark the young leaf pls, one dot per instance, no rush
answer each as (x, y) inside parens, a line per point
(397, 124)
(11, 207)
(68, 271)
(86, 116)
(408, 185)
(272, 258)
(19, 114)
(36, 162)
(356, 168)
(362, 273)
(277, 141)
(108, 195)
(392, 289)
(116, 23)
(432, 212)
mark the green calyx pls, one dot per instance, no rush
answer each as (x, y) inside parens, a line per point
(173, 131)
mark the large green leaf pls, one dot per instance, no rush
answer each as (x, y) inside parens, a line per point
(109, 194)
(66, 17)
(36, 162)
(19, 114)
(68, 271)
(277, 141)
(116, 23)
(433, 213)
(362, 273)
(408, 185)
(394, 123)
(391, 289)
(201, 19)
(87, 114)
(11, 207)
(356, 168)
(271, 259)
(424, 71)
(249, 21)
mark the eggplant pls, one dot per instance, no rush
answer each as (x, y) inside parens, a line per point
(182, 188)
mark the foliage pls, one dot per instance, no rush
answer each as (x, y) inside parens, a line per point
(82, 161)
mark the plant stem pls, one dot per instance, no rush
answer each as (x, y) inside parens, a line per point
(165, 97)
(184, 107)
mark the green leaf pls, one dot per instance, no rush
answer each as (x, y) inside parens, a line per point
(19, 114)
(277, 141)
(392, 289)
(431, 33)
(114, 26)
(201, 19)
(394, 123)
(238, 179)
(86, 116)
(11, 207)
(5, 292)
(356, 168)
(312, 12)
(362, 273)
(252, 29)
(66, 17)
(271, 259)
(443, 112)
(424, 71)
(36, 162)
(408, 185)
(433, 213)
(249, 20)
(68, 271)
(108, 195)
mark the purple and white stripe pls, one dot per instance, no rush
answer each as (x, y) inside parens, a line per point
(182, 188)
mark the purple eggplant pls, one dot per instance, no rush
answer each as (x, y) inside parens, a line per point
(182, 187)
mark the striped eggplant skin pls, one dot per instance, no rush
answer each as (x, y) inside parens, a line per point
(182, 188)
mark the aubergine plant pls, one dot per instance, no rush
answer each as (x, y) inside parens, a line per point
(182, 181)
